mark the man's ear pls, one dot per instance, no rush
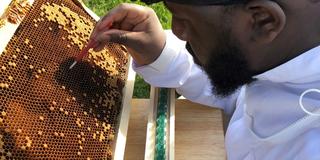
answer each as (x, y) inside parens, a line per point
(267, 20)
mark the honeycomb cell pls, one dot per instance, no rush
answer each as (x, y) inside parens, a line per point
(61, 134)
(3, 113)
(12, 64)
(26, 41)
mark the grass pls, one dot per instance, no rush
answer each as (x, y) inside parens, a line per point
(101, 7)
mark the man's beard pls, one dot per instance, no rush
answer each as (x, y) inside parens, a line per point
(226, 67)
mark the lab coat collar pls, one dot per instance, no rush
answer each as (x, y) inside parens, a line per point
(302, 69)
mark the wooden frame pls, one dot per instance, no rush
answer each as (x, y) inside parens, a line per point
(151, 126)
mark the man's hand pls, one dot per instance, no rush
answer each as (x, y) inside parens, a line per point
(136, 27)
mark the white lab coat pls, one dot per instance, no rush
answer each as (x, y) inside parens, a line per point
(267, 121)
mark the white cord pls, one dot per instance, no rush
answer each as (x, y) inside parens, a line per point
(301, 104)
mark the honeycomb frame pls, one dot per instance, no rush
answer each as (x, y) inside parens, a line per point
(51, 112)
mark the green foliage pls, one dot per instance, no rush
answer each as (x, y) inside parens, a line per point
(101, 7)
(141, 88)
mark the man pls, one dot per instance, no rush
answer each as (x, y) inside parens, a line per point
(259, 56)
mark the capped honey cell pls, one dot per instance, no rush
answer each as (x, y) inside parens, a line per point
(26, 41)
(23, 147)
(4, 85)
(3, 113)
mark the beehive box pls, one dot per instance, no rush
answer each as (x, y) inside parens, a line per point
(46, 110)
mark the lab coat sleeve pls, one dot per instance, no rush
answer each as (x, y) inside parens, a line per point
(175, 68)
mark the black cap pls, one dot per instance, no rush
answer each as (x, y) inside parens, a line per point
(198, 2)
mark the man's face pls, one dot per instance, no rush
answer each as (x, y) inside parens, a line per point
(212, 44)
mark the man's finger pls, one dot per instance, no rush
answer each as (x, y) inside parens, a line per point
(113, 35)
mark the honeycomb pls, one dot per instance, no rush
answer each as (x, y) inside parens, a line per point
(48, 111)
